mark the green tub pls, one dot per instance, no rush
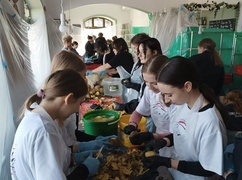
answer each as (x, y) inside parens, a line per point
(101, 122)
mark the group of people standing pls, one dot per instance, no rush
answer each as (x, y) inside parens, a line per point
(186, 122)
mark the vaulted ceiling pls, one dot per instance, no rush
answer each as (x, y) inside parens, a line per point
(53, 6)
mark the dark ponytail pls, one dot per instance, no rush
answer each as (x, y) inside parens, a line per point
(179, 70)
(208, 93)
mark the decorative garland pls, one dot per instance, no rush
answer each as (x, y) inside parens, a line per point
(211, 7)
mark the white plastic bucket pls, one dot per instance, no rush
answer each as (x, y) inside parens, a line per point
(112, 86)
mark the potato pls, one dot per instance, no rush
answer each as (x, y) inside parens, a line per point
(101, 90)
(88, 96)
(149, 153)
(97, 87)
(92, 92)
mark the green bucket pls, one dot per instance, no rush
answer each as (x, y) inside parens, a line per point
(101, 122)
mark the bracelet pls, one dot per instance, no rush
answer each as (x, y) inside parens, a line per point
(136, 124)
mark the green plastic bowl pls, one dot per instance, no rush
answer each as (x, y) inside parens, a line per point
(101, 128)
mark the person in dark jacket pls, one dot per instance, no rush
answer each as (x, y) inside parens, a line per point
(122, 61)
(89, 47)
(105, 54)
(233, 105)
(209, 65)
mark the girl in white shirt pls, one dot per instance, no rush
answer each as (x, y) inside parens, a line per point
(150, 105)
(69, 127)
(198, 132)
(38, 150)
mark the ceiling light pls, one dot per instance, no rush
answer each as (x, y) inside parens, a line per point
(62, 26)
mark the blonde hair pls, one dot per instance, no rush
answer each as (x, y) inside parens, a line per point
(59, 83)
(61, 61)
(68, 60)
(67, 38)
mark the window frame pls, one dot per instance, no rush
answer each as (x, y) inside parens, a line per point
(92, 19)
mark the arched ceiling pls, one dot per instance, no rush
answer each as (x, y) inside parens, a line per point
(53, 7)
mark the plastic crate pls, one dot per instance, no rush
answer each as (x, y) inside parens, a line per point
(238, 69)
(92, 66)
(228, 78)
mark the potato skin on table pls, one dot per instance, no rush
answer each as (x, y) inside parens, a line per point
(115, 141)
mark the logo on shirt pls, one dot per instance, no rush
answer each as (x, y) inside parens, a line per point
(181, 127)
(160, 106)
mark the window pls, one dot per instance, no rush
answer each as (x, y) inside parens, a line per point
(27, 15)
(97, 22)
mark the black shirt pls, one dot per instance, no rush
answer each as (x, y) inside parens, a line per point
(211, 75)
(235, 119)
(90, 51)
(108, 58)
(123, 59)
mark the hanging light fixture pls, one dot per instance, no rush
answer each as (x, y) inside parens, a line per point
(62, 26)
(70, 30)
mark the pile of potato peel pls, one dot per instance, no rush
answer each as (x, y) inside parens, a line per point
(121, 166)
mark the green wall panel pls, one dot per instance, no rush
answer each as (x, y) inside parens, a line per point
(228, 44)
(140, 29)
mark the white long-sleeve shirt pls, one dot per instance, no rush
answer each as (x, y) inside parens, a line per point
(38, 150)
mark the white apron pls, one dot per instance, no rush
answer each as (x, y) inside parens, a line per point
(123, 75)
(136, 77)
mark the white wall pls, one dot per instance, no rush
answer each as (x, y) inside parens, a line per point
(222, 14)
(217, 1)
(239, 24)
(144, 5)
(80, 14)
(129, 15)
(139, 18)
(53, 6)
(35, 14)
